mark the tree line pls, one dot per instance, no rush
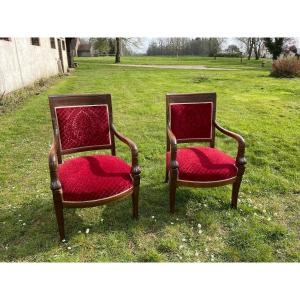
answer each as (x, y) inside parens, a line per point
(185, 46)
(250, 46)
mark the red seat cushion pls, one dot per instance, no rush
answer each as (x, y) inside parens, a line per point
(94, 177)
(204, 164)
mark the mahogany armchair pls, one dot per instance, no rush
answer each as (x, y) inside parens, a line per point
(192, 118)
(85, 123)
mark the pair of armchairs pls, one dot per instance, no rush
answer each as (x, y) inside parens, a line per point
(85, 123)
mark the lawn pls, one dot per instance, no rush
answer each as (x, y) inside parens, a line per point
(266, 225)
(219, 62)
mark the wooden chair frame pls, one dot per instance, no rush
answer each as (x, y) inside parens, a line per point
(56, 153)
(172, 174)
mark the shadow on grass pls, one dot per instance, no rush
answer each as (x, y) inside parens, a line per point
(31, 229)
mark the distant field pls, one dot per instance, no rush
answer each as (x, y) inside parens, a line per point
(181, 60)
(266, 225)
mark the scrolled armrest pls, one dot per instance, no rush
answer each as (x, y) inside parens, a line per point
(240, 158)
(135, 168)
(53, 162)
(173, 142)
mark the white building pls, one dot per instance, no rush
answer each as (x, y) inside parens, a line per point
(26, 60)
(298, 45)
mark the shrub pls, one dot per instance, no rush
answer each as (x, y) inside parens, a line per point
(286, 67)
(224, 54)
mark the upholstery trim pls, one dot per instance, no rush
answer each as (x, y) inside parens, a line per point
(207, 182)
(101, 200)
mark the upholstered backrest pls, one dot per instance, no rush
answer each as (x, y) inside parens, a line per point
(191, 116)
(81, 122)
(81, 126)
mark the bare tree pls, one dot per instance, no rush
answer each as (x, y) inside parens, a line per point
(161, 45)
(257, 45)
(214, 46)
(178, 45)
(251, 46)
(125, 45)
(247, 44)
(118, 50)
(288, 46)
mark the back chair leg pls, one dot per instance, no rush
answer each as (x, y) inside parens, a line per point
(167, 175)
(135, 197)
(135, 203)
(58, 207)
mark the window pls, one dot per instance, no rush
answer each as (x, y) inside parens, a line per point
(5, 39)
(52, 43)
(63, 45)
(35, 41)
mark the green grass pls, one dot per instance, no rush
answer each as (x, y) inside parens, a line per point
(219, 62)
(266, 225)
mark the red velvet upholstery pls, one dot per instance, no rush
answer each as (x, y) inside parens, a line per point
(83, 126)
(191, 120)
(204, 164)
(94, 177)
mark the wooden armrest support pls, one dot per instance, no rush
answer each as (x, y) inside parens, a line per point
(173, 143)
(53, 162)
(240, 158)
(135, 169)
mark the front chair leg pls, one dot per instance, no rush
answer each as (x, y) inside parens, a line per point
(135, 196)
(58, 207)
(236, 187)
(172, 189)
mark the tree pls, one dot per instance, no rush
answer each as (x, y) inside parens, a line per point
(104, 46)
(289, 46)
(214, 46)
(112, 46)
(233, 49)
(118, 50)
(185, 46)
(257, 44)
(274, 46)
(293, 49)
(247, 44)
(124, 45)
(100, 44)
(178, 45)
(160, 43)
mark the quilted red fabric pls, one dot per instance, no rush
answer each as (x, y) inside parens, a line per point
(191, 120)
(83, 126)
(94, 177)
(204, 164)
